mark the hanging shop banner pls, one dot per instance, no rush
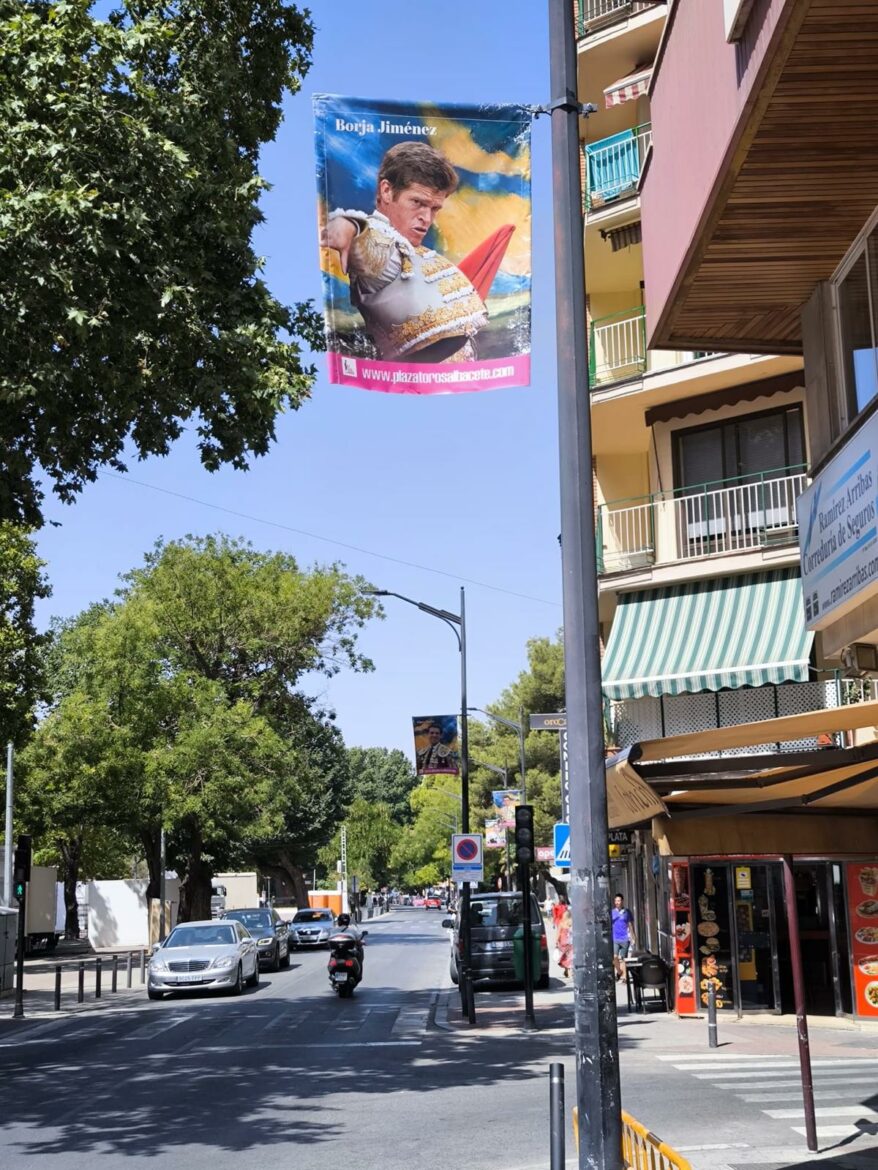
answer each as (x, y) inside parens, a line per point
(424, 215)
(506, 801)
(436, 747)
(862, 892)
(495, 834)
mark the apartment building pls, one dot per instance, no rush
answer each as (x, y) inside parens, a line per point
(704, 439)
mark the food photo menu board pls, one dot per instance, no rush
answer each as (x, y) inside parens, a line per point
(862, 890)
(681, 919)
(712, 935)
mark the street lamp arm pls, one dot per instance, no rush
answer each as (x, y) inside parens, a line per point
(498, 718)
(451, 619)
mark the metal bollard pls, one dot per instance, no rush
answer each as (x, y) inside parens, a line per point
(98, 966)
(143, 966)
(115, 977)
(711, 1015)
(80, 994)
(557, 1154)
(57, 987)
(128, 969)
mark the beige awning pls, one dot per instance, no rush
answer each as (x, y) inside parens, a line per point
(780, 778)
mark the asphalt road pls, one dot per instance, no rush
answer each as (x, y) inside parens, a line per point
(286, 1075)
(290, 1075)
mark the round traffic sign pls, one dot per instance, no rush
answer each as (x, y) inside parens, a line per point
(467, 849)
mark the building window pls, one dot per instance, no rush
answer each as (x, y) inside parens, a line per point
(856, 300)
(744, 448)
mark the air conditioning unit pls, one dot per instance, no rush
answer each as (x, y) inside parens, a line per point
(860, 660)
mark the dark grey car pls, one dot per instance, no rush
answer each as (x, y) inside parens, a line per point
(269, 930)
(494, 919)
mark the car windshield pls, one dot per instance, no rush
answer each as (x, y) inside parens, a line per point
(202, 936)
(252, 919)
(496, 912)
(313, 916)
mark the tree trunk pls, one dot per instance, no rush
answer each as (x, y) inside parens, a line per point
(71, 856)
(151, 841)
(195, 888)
(293, 876)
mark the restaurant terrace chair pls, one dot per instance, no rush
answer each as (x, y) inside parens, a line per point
(652, 976)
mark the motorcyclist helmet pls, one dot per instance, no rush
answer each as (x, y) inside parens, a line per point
(343, 921)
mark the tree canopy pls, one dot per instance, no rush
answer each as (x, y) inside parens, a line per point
(22, 583)
(180, 705)
(385, 775)
(132, 301)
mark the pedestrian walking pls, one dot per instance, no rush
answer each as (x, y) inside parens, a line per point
(623, 935)
(564, 942)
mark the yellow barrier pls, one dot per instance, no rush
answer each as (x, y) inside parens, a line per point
(641, 1149)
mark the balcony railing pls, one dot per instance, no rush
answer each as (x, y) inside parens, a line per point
(715, 518)
(617, 346)
(594, 14)
(613, 165)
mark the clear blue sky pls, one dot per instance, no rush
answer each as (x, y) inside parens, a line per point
(464, 485)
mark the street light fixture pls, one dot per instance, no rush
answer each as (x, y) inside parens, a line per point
(518, 728)
(457, 623)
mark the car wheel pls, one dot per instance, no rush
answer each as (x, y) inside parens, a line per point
(275, 958)
(153, 994)
(285, 961)
(452, 970)
(543, 982)
(253, 981)
(238, 986)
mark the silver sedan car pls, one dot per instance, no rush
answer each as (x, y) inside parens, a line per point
(312, 928)
(204, 956)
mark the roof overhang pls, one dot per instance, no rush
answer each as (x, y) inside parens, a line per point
(798, 182)
(825, 780)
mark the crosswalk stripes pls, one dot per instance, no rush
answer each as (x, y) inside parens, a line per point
(769, 1080)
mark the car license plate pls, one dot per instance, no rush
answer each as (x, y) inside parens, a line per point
(339, 977)
(189, 978)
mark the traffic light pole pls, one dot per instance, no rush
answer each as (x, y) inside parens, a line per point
(7, 855)
(596, 1037)
(530, 1023)
(18, 1010)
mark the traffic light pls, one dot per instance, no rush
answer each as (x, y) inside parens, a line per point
(21, 866)
(524, 834)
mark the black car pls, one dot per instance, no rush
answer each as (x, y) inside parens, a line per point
(272, 934)
(494, 920)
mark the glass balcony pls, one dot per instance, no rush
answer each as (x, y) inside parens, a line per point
(713, 519)
(613, 165)
(596, 14)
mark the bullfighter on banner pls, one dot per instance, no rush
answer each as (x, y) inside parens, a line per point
(425, 244)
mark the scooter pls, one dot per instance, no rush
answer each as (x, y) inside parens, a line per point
(345, 965)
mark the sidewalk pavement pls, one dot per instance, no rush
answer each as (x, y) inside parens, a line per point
(39, 982)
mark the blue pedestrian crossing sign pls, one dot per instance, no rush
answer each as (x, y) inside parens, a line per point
(562, 845)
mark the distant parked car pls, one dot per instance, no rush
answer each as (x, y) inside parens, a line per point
(209, 955)
(272, 934)
(312, 928)
(433, 903)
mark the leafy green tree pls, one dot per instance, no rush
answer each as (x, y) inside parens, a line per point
(185, 696)
(372, 834)
(385, 775)
(133, 302)
(22, 582)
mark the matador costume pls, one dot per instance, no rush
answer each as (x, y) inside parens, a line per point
(417, 305)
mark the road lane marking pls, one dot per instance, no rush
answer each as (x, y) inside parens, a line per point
(861, 1112)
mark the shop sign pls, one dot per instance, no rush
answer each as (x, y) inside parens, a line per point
(838, 531)
(862, 890)
(743, 880)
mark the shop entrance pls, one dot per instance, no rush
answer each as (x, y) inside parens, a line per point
(742, 940)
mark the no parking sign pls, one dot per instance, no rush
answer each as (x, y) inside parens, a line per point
(466, 857)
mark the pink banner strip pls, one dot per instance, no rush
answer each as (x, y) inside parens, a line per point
(411, 378)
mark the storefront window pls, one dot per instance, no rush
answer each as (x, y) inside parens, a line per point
(713, 934)
(856, 321)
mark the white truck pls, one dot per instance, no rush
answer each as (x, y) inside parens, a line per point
(39, 921)
(240, 891)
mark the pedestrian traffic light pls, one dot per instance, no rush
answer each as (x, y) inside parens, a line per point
(524, 834)
(21, 866)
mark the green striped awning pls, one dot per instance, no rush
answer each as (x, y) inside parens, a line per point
(727, 632)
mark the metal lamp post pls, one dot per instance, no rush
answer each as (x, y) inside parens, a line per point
(457, 624)
(518, 728)
(504, 772)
